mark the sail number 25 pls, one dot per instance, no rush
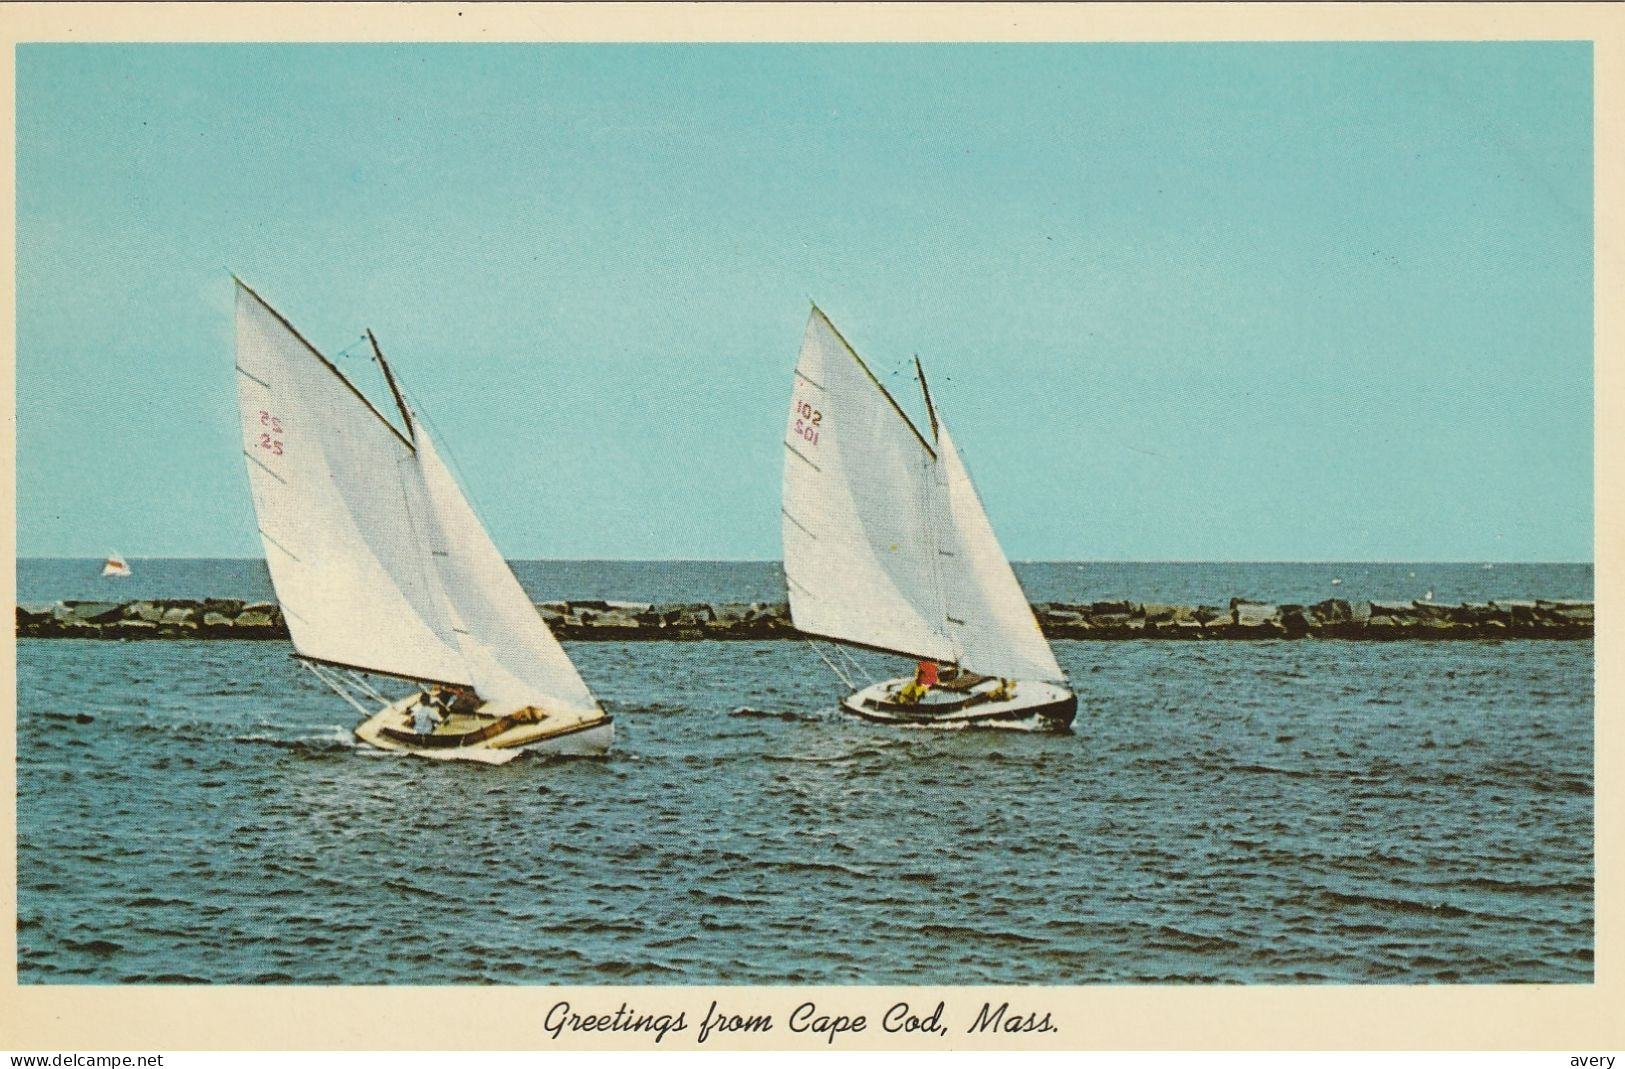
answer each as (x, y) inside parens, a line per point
(271, 435)
(807, 420)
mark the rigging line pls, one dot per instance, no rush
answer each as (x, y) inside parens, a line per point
(343, 692)
(852, 663)
(346, 350)
(818, 648)
(365, 687)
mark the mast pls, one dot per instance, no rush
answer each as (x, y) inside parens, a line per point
(389, 377)
(940, 523)
(930, 409)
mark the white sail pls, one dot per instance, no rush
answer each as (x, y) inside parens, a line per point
(886, 543)
(859, 554)
(512, 656)
(994, 630)
(331, 486)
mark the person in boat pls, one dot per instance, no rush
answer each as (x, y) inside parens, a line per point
(959, 680)
(457, 700)
(925, 677)
(426, 715)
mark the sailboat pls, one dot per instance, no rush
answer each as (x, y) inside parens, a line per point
(887, 547)
(382, 568)
(115, 567)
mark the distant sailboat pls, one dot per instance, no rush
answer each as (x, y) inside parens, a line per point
(886, 546)
(116, 567)
(382, 568)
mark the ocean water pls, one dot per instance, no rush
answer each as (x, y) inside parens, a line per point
(1236, 813)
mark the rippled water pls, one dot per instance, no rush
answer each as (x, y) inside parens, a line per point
(1225, 812)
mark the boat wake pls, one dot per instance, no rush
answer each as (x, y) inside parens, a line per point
(335, 740)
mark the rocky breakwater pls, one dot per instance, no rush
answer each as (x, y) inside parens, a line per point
(208, 618)
(1241, 619)
(1333, 619)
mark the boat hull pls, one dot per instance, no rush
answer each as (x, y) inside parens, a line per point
(488, 738)
(1033, 707)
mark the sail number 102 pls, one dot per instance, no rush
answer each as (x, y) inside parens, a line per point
(271, 434)
(807, 420)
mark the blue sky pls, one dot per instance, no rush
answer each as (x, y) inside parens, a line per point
(1178, 302)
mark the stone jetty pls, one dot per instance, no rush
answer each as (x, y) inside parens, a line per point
(218, 618)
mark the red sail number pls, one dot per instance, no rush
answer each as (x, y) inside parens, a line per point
(272, 445)
(807, 420)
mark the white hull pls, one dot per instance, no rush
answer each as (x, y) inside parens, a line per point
(1034, 707)
(568, 733)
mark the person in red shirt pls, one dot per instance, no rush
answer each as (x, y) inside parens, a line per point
(925, 677)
